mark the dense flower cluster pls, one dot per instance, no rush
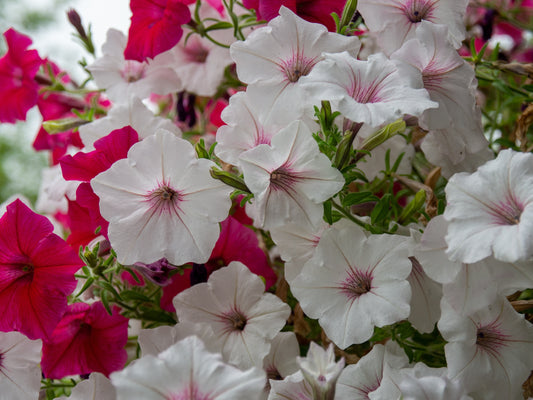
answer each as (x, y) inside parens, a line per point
(239, 184)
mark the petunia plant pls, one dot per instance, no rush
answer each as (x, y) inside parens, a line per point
(320, 200)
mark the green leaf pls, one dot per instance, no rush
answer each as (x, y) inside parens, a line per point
(327, 212)
(358, 198)
(382, 209)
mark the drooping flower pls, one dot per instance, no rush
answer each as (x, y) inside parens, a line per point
(162, 202)
(20, 374)
(275, 58)
(36, 273)
(123, 78)
(490, 212)
(87, 339)
(186, 370)
(290, 179)
(155, 27)
(395, 21)
(354, 283)
(244, 318)
(493, 345)
(373, 92)
(18, 89)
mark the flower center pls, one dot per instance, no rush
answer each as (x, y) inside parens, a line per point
(297, 66)
(490, 339)
(132, 71)
(417, 10)
(235, 321)
(282, 179)
(196, 53)
(507, 212)
(164, 199)
(356, 283)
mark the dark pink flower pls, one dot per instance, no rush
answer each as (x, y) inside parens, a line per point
(155, 27)
(318, 11)
(110, 148)
(36, 273)
(86, 340)
(84, 213)
(18, 67)
(83, 218)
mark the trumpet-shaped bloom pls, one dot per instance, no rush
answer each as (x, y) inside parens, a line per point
(20, 374)
(86, 340)
(357, 381)
(290, 179)
(244, 318)
(36, 273)
(123, 78)
(162, 202)
(493, 345)
(373, 92)
(354, 283)
(395, 21)
(186, 370)
(491, 210)
(450, 81)
(277, 56)
(18, 90)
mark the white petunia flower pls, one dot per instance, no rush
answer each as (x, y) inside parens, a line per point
(281, 360)
(250, 123)
(97, 387)
(354, 283)
(373, 92)
(20, 374)
(296, 243)
(161, 201)
(492, 345)
(293, 387)
(134, 114)
(490, 212)
(233, 303)
(321, 371)
(395, 21)
(358, 381)
(124, 79)
(450, 81)
(275, 57)
(290, 179)
(187, 371)
(421, 382)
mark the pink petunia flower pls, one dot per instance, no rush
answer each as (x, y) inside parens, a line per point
(155, 27)
(86, 340)
(18, 67)
(36, 273)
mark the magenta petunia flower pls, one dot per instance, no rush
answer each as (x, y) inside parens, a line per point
(86, 340)
(155, 27)
(36, 273)
(18, 67)
(311, 10)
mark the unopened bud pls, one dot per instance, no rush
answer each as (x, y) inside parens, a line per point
(229, 179)
(63, 124)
